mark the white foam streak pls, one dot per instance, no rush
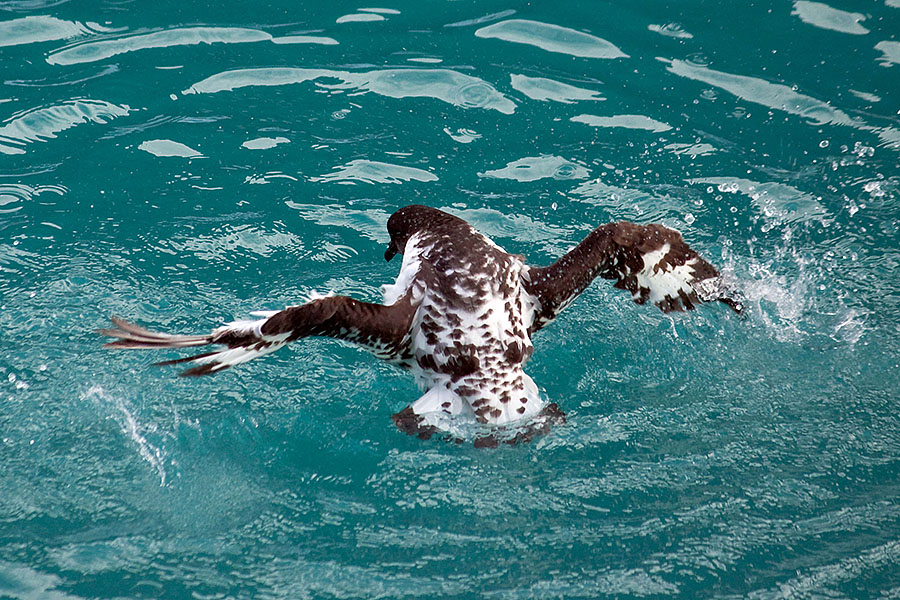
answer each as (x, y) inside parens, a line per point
(133, 429)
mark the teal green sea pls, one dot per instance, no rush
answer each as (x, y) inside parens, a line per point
(182, 164)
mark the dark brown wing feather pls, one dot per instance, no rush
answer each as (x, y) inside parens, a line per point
(383, 330)
(651, 261)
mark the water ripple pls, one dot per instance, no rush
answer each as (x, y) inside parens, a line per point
(40, 124)
(543, 89)
(370, 171)
(821, 15)
(32, 30)
(371, 223)
(625, 121)
(781, 97)
(100, 50)
(485, 19)
(13, 195)
(630, 203)
(779, 203)
(673, 30)
(223, 245)
(70, 79)
(443, 84)
(891, 51)
(772, 95)
(521, 228)
(168, 148)
(532, 168)
(264, 143)
(551, 38)
(359, 18)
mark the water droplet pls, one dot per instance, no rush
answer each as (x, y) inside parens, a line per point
(689, 218)
(823, 144)
(554, 206)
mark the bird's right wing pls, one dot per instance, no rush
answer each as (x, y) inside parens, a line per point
(381, 329)
(651, 261)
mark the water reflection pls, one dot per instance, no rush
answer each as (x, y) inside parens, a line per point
(168, 148)
(532, 168)
(14, 195)
(100, 50)
(264, 143)
(452, 87)
(781, 97)
(543, 89)
(359, 18)
(41, 124)
(823, 16)
(625, 121)
(31, 30)
(551, 38)
(370, 223)
(370, 171)
(522, 228)
(632, 203)
(692, 150)
(891, 52)
(673, 30)
(778, 203)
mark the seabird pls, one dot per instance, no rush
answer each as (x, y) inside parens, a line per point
(460, 317)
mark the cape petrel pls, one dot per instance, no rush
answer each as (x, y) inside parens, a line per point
(461, 315)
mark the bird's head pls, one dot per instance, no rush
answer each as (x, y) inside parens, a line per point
(408, 221)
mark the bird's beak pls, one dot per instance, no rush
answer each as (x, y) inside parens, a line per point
(391, 251)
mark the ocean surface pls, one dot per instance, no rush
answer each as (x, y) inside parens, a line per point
(181, 164)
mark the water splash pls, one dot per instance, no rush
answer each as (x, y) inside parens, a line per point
(692, 150)
(123, 414)
(777, 202)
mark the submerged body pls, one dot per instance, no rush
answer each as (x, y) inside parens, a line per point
(461, 315)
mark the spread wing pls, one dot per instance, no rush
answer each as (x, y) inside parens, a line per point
(651, 261)
(381, 329)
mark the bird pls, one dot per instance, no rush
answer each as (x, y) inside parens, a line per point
(460, 318)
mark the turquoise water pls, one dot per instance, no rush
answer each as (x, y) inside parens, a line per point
(181, 165)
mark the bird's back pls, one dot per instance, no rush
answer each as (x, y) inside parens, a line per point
(470, 335)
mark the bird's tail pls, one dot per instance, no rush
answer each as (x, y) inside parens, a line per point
(243, 340)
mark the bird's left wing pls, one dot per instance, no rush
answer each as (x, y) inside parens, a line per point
(381, 329)
(652, 262)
